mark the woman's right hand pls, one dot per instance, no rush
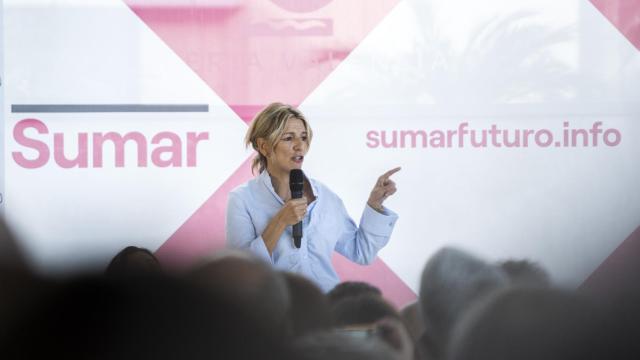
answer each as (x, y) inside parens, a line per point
(293, 211)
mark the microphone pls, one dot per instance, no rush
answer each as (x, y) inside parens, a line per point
(296, 184)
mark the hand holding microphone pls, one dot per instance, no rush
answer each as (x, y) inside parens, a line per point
(293, 211)
(291, 214)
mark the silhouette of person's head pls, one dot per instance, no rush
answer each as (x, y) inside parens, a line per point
(531, 323)
(351, 288)
(309, 309)
(251, 285)
(133, 260)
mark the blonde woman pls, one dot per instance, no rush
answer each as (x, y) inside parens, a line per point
(260, 213)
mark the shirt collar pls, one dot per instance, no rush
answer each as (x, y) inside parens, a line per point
(266, 180)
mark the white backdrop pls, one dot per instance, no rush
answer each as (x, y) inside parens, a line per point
(428, 65)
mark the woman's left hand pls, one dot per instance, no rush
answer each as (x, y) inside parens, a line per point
(383, 188)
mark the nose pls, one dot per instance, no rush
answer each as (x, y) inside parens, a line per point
(298, 144)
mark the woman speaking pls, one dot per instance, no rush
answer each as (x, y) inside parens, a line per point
(261, 213)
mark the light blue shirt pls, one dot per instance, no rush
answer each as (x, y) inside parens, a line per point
(326, 227)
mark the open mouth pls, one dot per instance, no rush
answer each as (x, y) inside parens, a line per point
(298, 159)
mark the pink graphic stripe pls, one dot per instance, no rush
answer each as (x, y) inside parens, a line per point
(619, 271)
(203, 232)
(624, 15)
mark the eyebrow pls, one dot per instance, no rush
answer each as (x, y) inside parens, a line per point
(293, 133)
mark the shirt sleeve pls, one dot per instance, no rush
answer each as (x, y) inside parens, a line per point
(240, 231)
(361, 244)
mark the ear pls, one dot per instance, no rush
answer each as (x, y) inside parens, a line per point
(263, 148)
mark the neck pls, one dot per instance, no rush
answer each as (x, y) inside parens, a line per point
(280, 183)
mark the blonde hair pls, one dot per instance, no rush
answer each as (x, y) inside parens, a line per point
(269, 124)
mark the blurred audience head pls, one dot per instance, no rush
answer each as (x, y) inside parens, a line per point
(530, 323)
(394, 333)
(525, 273)
(133, 260)
(309, 308)
(18, 285)
(361, 310)
(370, 315)
(351, 288)
(252, 285)
(11, 258)
(141, 317)
(413, 320)
(451, 282)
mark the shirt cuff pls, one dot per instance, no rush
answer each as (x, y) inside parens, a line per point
(259, 248)
(378, 223)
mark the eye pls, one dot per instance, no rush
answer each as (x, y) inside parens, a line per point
(304, 138)
(287, 138)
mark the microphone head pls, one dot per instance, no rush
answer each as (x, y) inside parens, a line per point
(296, 180)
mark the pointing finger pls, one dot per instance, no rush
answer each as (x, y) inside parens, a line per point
(386, 175)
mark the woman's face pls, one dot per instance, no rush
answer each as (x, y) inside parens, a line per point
(290, 149)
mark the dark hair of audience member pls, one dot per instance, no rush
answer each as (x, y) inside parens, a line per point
(133, 260)
(309, 307)
(361, 310)
(525, 273)
(153, 317)
(11, 258)
(18, 285)
(351, 288)
(451, 282)
(253, 286)
(412, 319)
(530, 323)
